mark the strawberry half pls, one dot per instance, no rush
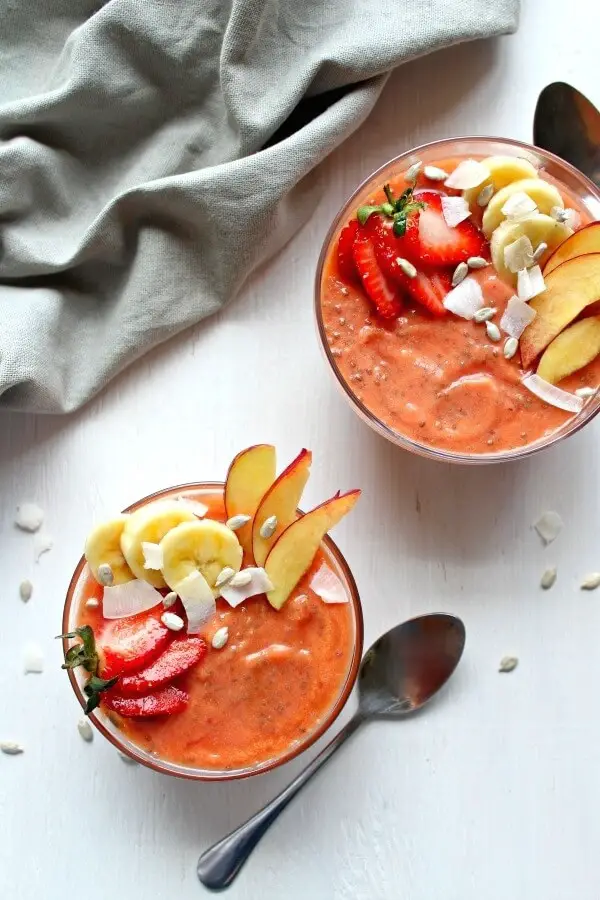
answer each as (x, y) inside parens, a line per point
(384, 295)
(345, 259)
(166, 702)
(431, 241)
(126, 645)
(429, 290)
(180, 655)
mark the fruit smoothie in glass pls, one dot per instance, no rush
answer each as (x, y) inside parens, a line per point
(458, 300)
(214, 632)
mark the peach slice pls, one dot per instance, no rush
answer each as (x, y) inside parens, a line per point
(281, 501)
(586, 240)
(250, 475)
(573, 349)
(570, 288)
(291, 557)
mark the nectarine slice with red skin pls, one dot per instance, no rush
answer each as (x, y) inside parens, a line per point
(281, 500)
(250, 475)
(570, 288)
(293, 553)
(586, 240)
(573, 349)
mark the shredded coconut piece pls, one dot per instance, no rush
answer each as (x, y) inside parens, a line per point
(548, 526)
(29, 517)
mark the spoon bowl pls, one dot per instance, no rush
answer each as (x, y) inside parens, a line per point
(568, 124)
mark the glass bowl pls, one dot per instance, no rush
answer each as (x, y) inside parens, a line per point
(110, 731)
(582, 189)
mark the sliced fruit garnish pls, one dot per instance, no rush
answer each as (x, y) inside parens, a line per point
(538, 228)
(430, 240)
(544, 195)
(103, 547)
(292, 555)
(569, 290)
(165, 702)
(503, 170)
(279, 505)
(129, 644)
(149, 525)
(573, 349)
(586, 240)
(180, 655)
(250, 475)
(202, 546)
(430, 289)
(384, 295)
(345, 259)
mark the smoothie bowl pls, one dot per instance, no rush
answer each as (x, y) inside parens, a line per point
(458, 300)
(212, 631)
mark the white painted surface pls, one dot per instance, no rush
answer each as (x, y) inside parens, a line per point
(494, 792)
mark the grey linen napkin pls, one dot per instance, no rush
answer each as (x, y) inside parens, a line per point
(153, 152)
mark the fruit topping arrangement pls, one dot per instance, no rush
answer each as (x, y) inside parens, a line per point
(161, 569)
(433, 245)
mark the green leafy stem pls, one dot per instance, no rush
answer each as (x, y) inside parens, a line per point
(396, 208)
(85, 654)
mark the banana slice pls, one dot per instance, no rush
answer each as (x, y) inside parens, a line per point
(543, 194)
(503, 170)
(150, 524)
(537, 228)
(204, 546)
(103, 547)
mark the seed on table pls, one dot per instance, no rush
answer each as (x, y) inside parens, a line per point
(85, 730)
(590, 582)
(477, 262)
(483, 315)
(11, 748)
(433, 173)
(25, 590)
(493, 332)
(548, 579)
(460, 273)
(508, 664)
(485, 195)
(510, 347)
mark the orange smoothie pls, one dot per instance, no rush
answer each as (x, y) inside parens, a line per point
(429, 375)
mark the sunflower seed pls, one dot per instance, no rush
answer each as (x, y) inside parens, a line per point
(169, 600)
(127, 759)
(267, 529)
(586, 392)
(25, 590)
(11, 748)
(220, 638)
(224, 576)
(240, 579)
(236, 522)
(172, 621)
(590, 582)
(477, 262)
(508, 664)
(548, 579)
(485, 195)
(413, 172)
(92, 603)
(105, 575)
(484, 314)
(407, 267)
(85, 730)
(460, 273)
(493, 332)
(539, 251)
(434, 174)
(510, 347)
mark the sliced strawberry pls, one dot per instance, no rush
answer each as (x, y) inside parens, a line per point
(345, 259)
(383, 294)
(126, 645)
(431, 241)
(166, 702)
(180, 655)
(429, 289)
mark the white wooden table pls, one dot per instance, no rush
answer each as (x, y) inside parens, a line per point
(494, 792)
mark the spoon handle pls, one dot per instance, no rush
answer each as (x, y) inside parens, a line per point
(219, 865)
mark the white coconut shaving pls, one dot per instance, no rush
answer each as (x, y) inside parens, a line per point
(198, 600)
(516, 317)
(519, 254)
(467, 175)
(29, 517)
(328, 586)
(465, 299)
(455, 210)
(519, 205)
(258, 583)
(552, 395)
(549, 526)
(129, 599)
(530, 283)
(33, 658)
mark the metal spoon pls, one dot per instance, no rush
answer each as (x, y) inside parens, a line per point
(398, 675)
(566, 123)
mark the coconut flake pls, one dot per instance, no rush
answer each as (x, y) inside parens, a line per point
(518, 205)
(198, 600)
(33, 658)
(259, 583)
(455, 210)
(548, 526)
(516, 317)
(519, 254)
(128, 599)
(551, 394)
(328, 586)
(465, 299)
(42, 543)
(572, 219)
(199, 509)
(467, 175)
(29, 517)
(530, 283)
(153, 555)
(586, 392)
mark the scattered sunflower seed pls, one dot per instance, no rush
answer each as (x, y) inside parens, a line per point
(85, 730)
(484, 314)
(508, 664)
(434, 174)
(413, 172)
(407, 267)
(510, 347)
(105, 575)
(127, 759)
(220, 638)
(539, 251)
(236, 522)
(485, 195)
(224, 576)
(590, 582)
(477, 262)
(493, 332)
(29, 517)
(92, 603)
(548, 579)
(25, 590)
(172, 621)
(240, 579)
(460, 273)
(169, 600)
(11, 748)
(267, 529)
(586, 392)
